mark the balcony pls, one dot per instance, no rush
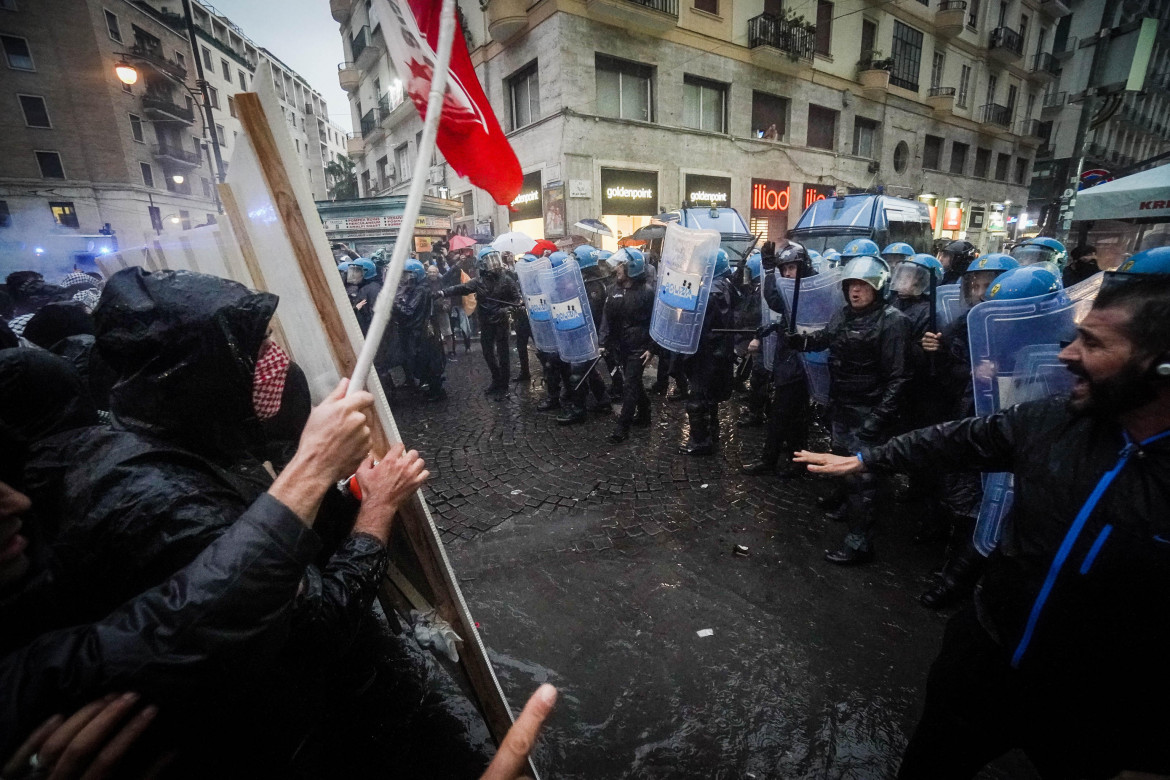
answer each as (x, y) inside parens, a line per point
(162, 109)
(355, 145)
(652, 16)
(341, 10)
(1045, 152)
(950, 18)
(1055, 8)
(1053, 101)
(1005, 45)
(372, 128)
(365, 48)
(1066, 49)
(392, 116)
(1045, 67)
(995, 119)
(157, 60)
(506, 18)
(1029, 133)
(941, 100)
(780, 44)
(178, 155)
(349, 77)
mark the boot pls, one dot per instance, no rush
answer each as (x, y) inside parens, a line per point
(697, 450)
(572, 416)
(548, 404)
(679, 393)
(849, 556)
(759, 467)
(959, 575)
(641, 418)
(620, 434)
(658, 388)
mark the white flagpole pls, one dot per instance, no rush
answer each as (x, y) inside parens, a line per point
(385, 302)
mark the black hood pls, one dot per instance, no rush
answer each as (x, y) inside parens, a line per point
(40, 394)
(183, 347)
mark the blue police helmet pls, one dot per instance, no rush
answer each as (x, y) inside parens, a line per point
(996, 261)
(343, 266)
(586, 256)
(634, 261)
(831, 257)
(556, 258)
(755, 264)
(414, 267)
(1027, 281)
(369, 270)
(528, 258)
(722, 264)
(489, 259)
(604, 254)
(813, 254)
(872, 270)
(1149, 261)
(897, 252)
(858, 247)
(1041, 250)
(928, 261)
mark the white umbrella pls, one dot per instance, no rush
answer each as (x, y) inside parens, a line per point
(515, 242)
(594, 226)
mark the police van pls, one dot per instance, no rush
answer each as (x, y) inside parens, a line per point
(734, 235)
(834, 222)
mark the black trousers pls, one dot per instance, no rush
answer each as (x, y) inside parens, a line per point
(708, 378)
(617, 376)
(787, 422)
(523, 334)
(862, 491)
(978, 707)
(556, 373)
(759, 388)
(634, 398)
(593, 383)
(493, 337)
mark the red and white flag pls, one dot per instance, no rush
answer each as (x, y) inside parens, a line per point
(470, 137)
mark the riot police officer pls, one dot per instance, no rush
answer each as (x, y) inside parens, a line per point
(897, 252)
(868, 372)
(788, 385)
(494, 291)
(955, 257)
(747, 316)
(420, 341)
(600, 283)
(625, 334)
(858, 247)
(710, 370)
(520, 324)
(585, 378)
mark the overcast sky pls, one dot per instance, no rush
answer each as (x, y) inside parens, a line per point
(303, 35)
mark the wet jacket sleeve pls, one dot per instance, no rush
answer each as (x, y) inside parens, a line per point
(819, 340)
(976, 443)
(467, 288)
(772, 294)
(608, 328)
(334, 601)
(895, 363)
(234, 600)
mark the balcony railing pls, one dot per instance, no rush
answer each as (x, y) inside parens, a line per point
(669, 7)
(369, 122)
(1008, 39)
(157, 60)
(178, 153)
(1054, 99)
(166, 107)
(1066, 48)
(790, 37)
(941, 92)
(995, 114)
(1045, 63)
(360, 41)
(953, 5)
(1030, 128)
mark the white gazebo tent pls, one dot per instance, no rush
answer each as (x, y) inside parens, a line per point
(1142, 197)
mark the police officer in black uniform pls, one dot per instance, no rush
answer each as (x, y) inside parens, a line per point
(625, 335)
(710, 370)
(585, 378)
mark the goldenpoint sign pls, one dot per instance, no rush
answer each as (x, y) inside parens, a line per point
(628, 192)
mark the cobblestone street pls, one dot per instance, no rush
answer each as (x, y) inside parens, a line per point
(593, 566)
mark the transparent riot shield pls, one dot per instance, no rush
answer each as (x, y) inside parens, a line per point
(568, 303)
(950, 304)
(1014, 347)
(820, 298)
(685, 272)
(769, 317)
(535, 301)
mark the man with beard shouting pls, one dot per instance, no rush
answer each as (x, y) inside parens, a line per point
(1063, 652)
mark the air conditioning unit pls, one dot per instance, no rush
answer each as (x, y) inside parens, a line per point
(874, 166)
(436, 175)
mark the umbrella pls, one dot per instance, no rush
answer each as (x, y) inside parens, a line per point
(569, 242)
(515, 242)
(483, 238)
(594, 226)
(649, 233)
(541, 246)
(630, 241)
(461, 242)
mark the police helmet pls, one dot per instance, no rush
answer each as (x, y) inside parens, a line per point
(633, 260)
(980, 274)
(1027, 281)
(795, 253)
(369, 270)
(343, 266)
(869, 269)
(897, 252)
(859, 247)
(813, 254)
(722, 264)
(831, 257)
(1041, 250)
(586, 256)
(957, 255)
(557, 258)
(754, 264)
(489, 259)
(415, 268)
(911, 277)
(528, 258)
(1149, 261)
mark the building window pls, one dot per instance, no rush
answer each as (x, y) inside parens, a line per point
(402, 162)
(213, 96)
(243, 81)
(624, 89)
(1021, 170)
(964, 83)
(207, 61)
(136, 128)
(50, 165)
(959, 157)
(973, 14)
(524, 95)
(932, 153)
(824, 27)
(147, 174)
(155, 218)
(822, 127)
(231, 105)
(206, 187)
(901, 157)
(221, 135)
(938, 62)
(180, 59)
(383, 172)
(864, 137)
(769, 116)
(710, 6)
(226, 70)
(366, 184)
(35, 112)
(992, 83)
(907, 55)
(185, 219)
(64, 213)
(982, 162)
(704, 104)
(112, 27)
(1001, 166)
(17, 53)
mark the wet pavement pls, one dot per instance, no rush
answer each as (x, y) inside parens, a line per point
(596, 566)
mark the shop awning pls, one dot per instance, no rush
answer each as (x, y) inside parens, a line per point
(1142, 197)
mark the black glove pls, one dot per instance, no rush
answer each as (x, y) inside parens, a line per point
(796, 341)
(768, 255)
(767, 330)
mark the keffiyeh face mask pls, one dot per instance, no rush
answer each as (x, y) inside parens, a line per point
(268, 380)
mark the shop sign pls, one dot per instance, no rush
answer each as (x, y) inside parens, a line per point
(528, 204)
(976, 219)
(630, 193)
(995, 220)
(770, 197)
(953, 218)
(703, 191)
(580, 188)
(815, 192)
(393, 222)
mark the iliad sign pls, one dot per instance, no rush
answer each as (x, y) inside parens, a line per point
(770, 197)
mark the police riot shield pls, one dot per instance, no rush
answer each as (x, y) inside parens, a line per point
(685, 272)
(950, 304)
(535, 301)
(1014, 347)
(769, 317)
(820, 298)
(568, 303)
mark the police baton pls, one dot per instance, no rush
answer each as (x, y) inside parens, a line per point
(506, 303)
(795, 304)
(744, 331)
(586, 374)
(932, 322)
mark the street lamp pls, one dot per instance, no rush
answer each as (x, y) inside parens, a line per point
(126, 73)
(177, 178)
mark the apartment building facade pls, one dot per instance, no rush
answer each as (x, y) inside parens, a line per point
(619, 109)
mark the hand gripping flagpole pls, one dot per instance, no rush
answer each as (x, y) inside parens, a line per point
(385, 302)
